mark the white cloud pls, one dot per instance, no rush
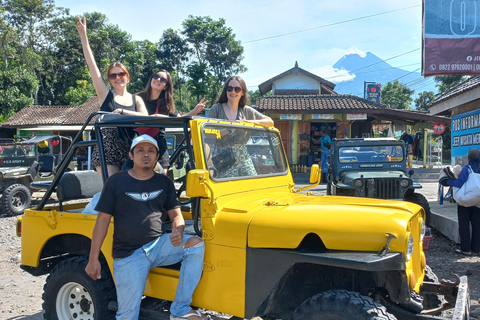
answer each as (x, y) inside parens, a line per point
(332, 74)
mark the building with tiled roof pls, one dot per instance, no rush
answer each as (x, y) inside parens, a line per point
(65, 120)
(303, 105)
(462, 103)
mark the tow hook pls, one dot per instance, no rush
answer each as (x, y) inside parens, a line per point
(385, 248)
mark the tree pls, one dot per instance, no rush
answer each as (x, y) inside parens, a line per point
(215, 49)
(444, 83)
(424, 99)
(396, 95)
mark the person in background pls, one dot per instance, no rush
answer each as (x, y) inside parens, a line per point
(118, 100)
(324, 138)
(325, 162)
(408, 148)
(158, 99)
(138, 198)
(467, 216)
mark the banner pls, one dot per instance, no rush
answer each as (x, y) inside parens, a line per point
(374, 92)
(451, 38)
(465, 133)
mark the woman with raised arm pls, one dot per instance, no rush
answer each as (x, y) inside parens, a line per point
(158, 99)
(118, 100)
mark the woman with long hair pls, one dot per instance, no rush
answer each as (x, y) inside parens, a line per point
(118, 100)
(158, 99)
(232, 105)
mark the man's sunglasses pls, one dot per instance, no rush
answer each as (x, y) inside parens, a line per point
(113, 76)
(162, 80)
(237, 89)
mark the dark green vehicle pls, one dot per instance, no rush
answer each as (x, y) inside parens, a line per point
(21, 163)
(373, 168)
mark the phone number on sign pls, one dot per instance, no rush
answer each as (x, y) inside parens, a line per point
(459, 67)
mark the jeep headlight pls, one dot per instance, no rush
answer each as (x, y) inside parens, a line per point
(405, 183)
(358, 183)
(410, 246)
(423, 229)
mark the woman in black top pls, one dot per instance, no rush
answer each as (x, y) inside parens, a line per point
(158, 98)
(119, 100)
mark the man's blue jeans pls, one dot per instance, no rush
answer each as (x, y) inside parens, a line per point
(131, 274)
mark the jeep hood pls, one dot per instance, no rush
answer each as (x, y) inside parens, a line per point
(342, 223)
(348, 176)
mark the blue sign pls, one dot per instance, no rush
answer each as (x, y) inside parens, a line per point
(465, 133)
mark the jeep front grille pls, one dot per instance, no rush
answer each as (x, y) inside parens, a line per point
(383, 188)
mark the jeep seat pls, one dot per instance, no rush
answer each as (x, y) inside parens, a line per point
(78, 185)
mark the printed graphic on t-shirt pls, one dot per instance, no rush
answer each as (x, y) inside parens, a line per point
(144, 196)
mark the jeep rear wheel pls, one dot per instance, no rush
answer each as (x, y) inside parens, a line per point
(69, 293)
(341, 305)
(15, 199)
(419, 199)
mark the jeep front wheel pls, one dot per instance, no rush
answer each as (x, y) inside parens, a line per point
(69, 293)
(419, 199)
(341, 305)
(15, 199)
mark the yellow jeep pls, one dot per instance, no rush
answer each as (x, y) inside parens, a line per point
(271, 251)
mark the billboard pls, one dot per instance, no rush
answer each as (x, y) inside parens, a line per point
(451, 39)
(373, 91)
(465, 133)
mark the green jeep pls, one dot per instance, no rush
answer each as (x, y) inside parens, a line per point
(21, 163)
(373, 168)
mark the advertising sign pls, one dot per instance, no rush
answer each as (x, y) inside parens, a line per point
(451, 34)
(465, 133)
(438, 128)
(374, 92)
(323, 116)
(356, 116)
(290, 117)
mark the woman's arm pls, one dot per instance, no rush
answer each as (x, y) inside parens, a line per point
(264, 122)
(100, 87)
(198, 108)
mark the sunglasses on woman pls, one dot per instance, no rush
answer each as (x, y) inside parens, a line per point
(162, 80)
(113, 76)
(237, 89)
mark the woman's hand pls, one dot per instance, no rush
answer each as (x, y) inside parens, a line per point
(198, 108)
(82, 27)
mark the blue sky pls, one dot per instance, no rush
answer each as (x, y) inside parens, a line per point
(385, 35)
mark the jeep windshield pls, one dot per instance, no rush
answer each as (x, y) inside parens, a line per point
(371, 154)
(242, 151)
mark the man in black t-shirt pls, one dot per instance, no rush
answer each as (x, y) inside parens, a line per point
(137, 199)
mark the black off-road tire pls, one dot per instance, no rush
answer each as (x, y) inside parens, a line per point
(341, 305)
(419, 199)
(15, 199)
(69, 293)
(432, 301)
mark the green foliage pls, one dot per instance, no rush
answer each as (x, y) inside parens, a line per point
(42, 59)
(444, 83)
(381, 134)
(424, 100)
(396, 95)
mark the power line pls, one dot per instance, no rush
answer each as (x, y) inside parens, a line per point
(329, 25)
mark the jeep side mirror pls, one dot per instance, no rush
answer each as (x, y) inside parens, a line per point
(410, 173)
(196, 184)
(314, 173)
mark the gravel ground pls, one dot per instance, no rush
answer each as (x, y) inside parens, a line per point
(21, 293)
